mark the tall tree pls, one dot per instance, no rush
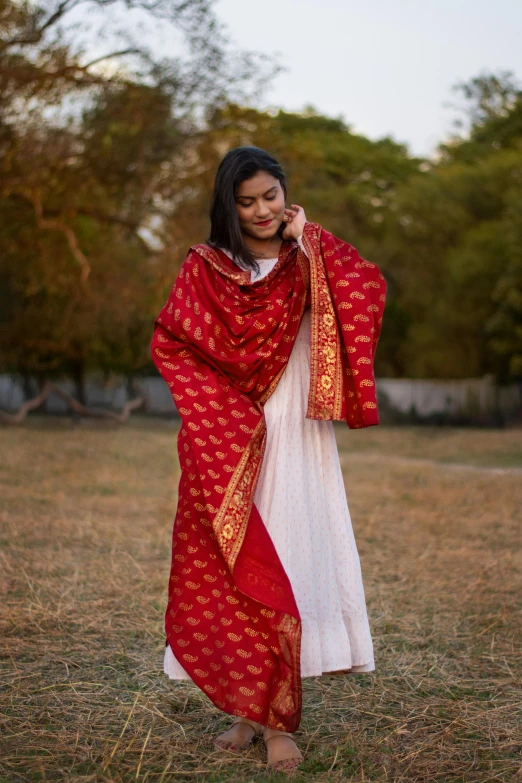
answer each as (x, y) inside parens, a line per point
(88, 146)
(455, 247)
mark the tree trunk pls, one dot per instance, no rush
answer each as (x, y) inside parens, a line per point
(80, 381)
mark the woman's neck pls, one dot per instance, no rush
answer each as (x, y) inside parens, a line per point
(264, 248)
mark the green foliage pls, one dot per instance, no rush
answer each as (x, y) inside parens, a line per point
(505, 324)
(89, 151)
(455, 238)
(494, 109)
(107, 169)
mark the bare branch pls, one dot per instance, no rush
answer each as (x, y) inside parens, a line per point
(104, 57)
(51, 388)
(29, 405)
(57, 225)
(26, 73)
(36, 35)
(132, 225)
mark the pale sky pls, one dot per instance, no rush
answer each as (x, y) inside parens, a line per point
(386, 66)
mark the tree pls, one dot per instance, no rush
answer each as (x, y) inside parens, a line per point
(89, 146)
(493, 114)
(505, 325)
(454, 245)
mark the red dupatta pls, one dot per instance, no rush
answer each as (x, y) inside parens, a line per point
(222, 344)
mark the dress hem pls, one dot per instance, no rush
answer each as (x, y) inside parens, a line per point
(175, 671)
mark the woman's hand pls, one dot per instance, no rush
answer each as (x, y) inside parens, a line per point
(295, 220)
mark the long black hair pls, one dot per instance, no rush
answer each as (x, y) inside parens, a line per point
(238, 165)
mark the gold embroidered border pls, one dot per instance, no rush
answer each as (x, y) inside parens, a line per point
(242, 277)
(212, 256)
(272, 387)
(326, 379)
(289, 697)
(230, 527)
(230, 523)
(303, 262)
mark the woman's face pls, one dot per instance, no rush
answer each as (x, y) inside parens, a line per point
(260, 204)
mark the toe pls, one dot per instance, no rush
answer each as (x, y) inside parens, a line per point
(287, 764)
(239, 737)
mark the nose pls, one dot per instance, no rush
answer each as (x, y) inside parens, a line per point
(262, 211)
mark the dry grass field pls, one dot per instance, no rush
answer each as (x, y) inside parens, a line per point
(86, 516)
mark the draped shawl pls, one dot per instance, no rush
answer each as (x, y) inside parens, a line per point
(222, 344)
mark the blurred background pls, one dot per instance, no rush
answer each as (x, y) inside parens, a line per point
(400, 129)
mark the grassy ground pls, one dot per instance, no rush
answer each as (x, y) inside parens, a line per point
(86, 517)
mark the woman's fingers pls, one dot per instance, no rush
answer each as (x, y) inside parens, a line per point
(295, 218)
(291, 213)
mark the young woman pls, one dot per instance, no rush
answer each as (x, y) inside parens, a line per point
(268, 335)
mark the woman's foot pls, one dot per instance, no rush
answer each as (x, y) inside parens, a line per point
(283, 753)
(239, 736)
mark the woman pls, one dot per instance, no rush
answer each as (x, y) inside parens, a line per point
(268, 335)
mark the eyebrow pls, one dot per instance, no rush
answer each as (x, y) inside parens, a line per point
(274, 187)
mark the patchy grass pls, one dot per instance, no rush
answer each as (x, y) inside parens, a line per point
(86, 518)
(479, 447)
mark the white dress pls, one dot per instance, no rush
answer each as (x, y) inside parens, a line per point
(302, 500)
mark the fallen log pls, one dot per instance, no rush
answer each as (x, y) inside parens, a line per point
(99, 413)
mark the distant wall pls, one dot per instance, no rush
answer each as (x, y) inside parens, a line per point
(470, 399)
(113, 394)
(477, 399)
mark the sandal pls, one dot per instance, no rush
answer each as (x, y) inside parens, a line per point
(282, 762)
(231, 744)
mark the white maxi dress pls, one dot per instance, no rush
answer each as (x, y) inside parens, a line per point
(302, 500)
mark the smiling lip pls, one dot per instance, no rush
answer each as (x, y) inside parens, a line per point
(265, 222)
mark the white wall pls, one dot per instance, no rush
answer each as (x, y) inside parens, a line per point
(471, 396)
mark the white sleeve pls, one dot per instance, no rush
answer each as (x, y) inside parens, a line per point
(301, 245)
